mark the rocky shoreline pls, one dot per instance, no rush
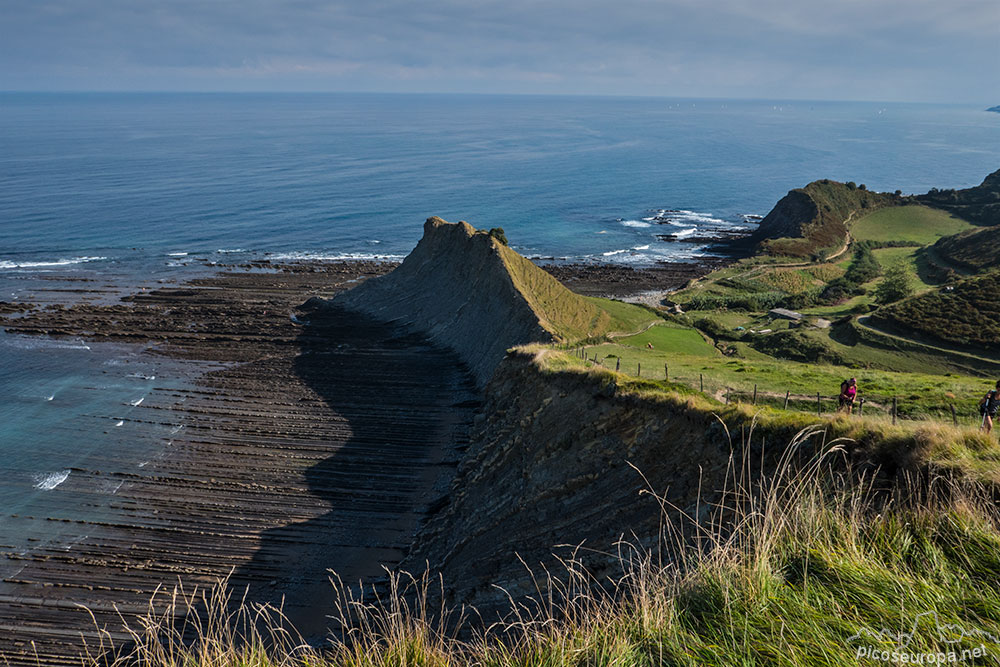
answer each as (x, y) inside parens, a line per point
(323, 440)
(308, 447)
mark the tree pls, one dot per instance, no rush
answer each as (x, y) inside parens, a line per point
(895, 286)
(497, 233)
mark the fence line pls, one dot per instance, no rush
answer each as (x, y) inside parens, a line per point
(798, 403)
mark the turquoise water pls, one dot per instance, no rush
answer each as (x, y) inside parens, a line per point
(123, 189)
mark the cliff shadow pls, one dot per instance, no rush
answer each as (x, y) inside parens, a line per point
(394, 412)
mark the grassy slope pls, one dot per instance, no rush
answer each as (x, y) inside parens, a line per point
(968, 315)
(918, 224)
(569, 316)
(974, 250)
(691, 361)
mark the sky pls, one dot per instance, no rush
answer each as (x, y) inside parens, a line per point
(887, 50)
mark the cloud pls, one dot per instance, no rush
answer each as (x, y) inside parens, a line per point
(776, 48)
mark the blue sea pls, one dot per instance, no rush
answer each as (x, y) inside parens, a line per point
(122, 190)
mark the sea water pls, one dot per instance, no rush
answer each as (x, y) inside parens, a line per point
(116, 191)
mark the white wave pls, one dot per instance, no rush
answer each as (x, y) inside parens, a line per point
(635, 223)
(684, 232)
(230, 251)
(12, 264)
(176, 429)
(374, 241)
(177, 254)
(32, 343)
(49, 481)
(141, 376)
(612, 253)
(325, 257)
(144, 464)
(603, 231)
(121, 422)
(138, 402)
(686, 217)
(641, 247)
(51, 398)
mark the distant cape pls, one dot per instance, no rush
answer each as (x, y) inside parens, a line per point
(995, 109)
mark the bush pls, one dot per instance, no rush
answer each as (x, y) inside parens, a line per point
(894, 287)
(498, 234)
(717, 330)
(864, 268)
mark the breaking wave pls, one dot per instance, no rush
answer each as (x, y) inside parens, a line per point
(18, 264)
(49, 481)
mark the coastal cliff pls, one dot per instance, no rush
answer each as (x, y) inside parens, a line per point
(564, 460)
(467, 290)
(813, 219)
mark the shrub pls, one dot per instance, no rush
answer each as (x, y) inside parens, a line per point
(894, 287)
(498, 234)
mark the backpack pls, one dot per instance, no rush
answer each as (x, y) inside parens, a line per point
(991, 405)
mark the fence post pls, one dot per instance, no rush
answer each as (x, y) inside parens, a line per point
(727, 395)
(618, 364)
(819, 406)
(895, 408)
(701, 379)
(787, 394)
(954, 417)
(638, 370)
(755, 395)
(666, 372)
(861, 406)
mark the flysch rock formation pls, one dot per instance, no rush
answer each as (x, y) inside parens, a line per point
(466, 290)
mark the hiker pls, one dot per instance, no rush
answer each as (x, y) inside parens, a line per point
(848, 392)
(988, 407)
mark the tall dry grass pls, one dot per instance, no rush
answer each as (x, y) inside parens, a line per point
(784, 571)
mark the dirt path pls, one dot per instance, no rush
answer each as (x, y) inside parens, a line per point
(720, 396)
(626, 334)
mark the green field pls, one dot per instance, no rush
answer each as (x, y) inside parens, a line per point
(672, 339)
(692, 361)
(917, 224)
(625, 317)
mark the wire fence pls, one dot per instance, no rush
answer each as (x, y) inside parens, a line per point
(890, 407)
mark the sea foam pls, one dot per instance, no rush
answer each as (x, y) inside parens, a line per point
(17, 264)
(49, 481)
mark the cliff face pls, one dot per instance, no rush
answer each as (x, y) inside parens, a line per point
(551, 466)
(467, 291)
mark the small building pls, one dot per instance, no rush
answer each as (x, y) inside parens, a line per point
(784, 314)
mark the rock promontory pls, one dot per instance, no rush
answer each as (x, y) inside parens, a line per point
(469, 291)
(813, 219)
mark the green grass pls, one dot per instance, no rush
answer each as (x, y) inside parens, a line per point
(625, 317)
(917, 224)
(920, 392)
(673, 340)
(566, 314)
